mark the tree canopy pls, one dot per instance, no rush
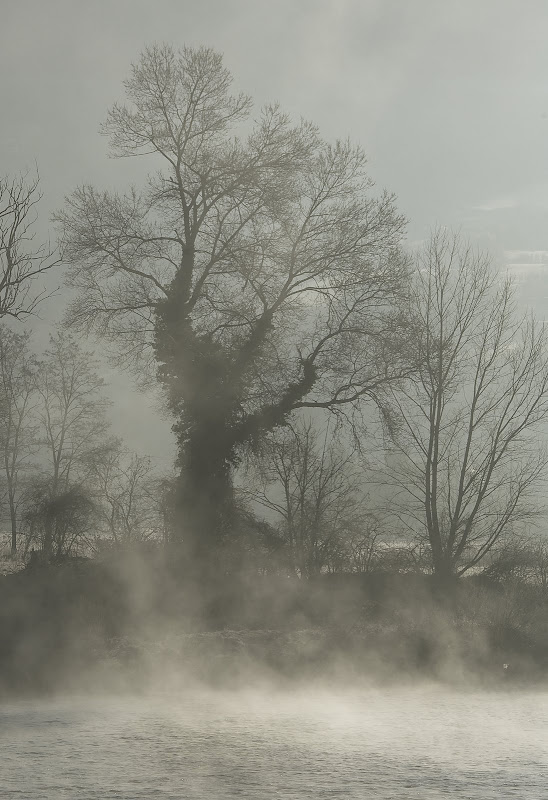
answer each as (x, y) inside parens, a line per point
(254, 268)
(466, 459)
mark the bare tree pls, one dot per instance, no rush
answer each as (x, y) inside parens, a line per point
(314, 487)
(257, 271)
(524, 560)
(73, 411)
(18, 435)
(362, 544)
(72, 425)
(538, 565)
(21, 261)
(57, 524)
(467, 459)
(128, 495)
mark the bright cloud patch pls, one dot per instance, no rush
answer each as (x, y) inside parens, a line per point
(523, 264)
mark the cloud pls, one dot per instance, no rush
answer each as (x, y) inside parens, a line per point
(498, 203)
(534, 257)
(525, 264)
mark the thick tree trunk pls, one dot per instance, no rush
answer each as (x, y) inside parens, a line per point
(204, 498)
(444, 569)
(206, 386)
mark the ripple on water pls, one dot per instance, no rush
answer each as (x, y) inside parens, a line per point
(402, 744)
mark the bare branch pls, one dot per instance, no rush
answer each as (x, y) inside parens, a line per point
(21, 260)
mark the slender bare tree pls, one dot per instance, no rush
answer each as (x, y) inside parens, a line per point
(73, 424)
(313, 486)
(58, 524)
(128, 495)
(21, 260)
(73, 410)
(257, 271)
(468, 455)
(18, 434)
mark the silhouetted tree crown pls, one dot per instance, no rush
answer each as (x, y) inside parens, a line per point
(466, 459)
(254, 268)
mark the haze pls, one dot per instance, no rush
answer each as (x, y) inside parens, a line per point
(449, 101)
(307, 556)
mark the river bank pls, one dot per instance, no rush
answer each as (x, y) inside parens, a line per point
(85, 624)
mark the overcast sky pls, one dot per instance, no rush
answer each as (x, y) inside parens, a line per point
(449, 100)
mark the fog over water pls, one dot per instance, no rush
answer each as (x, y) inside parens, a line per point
(398, 743)
(227, 613)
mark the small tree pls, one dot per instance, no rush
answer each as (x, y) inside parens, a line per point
(72, 412)
(315, 488)
(18, 435)
(466, 460)
(57, 523)
(72, 425)
(21, 261)
(128, 495)
(362, 545)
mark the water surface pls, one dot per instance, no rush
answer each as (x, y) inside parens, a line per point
(394, 743)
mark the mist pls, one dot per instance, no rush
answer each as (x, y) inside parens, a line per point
(298, 746)
(273, 400)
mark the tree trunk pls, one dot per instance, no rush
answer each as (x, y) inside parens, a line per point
(444, 570)
(13, 521)
(204, 499)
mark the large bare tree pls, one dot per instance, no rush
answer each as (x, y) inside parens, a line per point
(21, 260)
(467, 457)
(254, 268)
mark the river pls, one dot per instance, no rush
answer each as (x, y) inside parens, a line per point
(395, 743)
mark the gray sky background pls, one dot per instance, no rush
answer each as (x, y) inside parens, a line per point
(449, 100)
